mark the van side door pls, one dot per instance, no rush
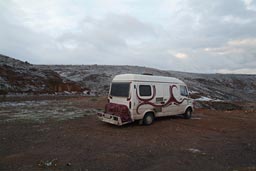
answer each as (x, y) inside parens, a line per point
(171, 108)
(160, 100)
(145, 92)
(184, 96)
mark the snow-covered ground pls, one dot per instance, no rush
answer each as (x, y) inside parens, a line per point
(202, 98)
(43, 110)
(217, 86)
(97, 78)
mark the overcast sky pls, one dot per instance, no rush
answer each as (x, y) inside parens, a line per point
(186, 35)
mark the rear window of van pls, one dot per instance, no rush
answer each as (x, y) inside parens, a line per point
(120, 89)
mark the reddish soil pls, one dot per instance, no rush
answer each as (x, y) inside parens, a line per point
(211, 140)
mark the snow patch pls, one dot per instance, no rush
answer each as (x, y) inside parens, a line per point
(43, 110)
(193, 92)
(25, 103)
(196, 151)
(203, 98)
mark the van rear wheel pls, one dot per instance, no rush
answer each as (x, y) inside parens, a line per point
(188, 113)
(148, 119)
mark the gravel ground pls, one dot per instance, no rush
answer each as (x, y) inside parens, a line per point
(66, 135)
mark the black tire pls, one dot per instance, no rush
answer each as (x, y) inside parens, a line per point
(148, 119)
(188, 113)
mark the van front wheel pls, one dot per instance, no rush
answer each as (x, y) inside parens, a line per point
(148, 119)
(188, 113)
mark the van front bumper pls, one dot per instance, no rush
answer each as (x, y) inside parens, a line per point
(112, 119)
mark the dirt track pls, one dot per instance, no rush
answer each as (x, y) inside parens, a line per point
(211, 140)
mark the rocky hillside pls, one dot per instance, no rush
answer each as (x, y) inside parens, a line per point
(228, 87)
(18, 77)
(21, 77)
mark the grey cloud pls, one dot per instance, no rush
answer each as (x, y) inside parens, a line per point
(128, 39)
(211, 15)
(110, 37)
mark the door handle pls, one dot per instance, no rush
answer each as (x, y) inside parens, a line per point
(162, 102)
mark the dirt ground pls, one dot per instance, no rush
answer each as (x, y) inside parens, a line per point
(33, 137)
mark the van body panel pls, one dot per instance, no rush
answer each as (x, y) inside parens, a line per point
(140, 94)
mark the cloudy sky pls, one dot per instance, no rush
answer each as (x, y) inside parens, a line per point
(185, 35)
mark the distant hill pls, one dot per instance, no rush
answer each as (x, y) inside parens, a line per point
(231, 87)
(21, 77)
(18, 76)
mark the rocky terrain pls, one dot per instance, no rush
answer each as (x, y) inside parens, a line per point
(42, 129)
(66, 135)
(19, 77)
(228, 87)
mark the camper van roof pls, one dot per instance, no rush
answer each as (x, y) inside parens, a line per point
(147, 78)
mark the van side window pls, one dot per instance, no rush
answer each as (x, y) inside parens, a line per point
(183, 91)
(145, 90)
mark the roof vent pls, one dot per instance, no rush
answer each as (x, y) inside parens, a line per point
(147, 73)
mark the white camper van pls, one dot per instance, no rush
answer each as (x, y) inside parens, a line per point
(144, 97)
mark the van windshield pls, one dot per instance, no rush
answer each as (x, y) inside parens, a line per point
(120, 89)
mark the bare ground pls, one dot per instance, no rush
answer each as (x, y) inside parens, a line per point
(66, 135)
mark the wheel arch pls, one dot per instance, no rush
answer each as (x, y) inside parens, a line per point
(149, 111)
(189, 107)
